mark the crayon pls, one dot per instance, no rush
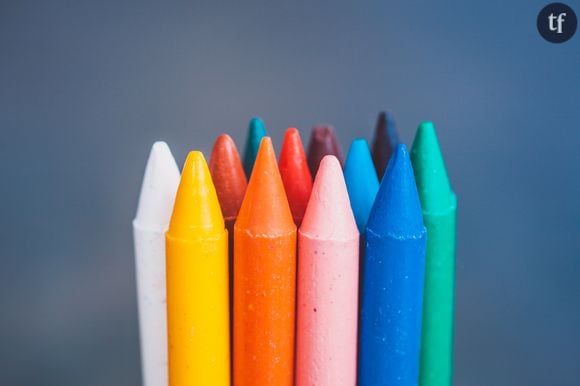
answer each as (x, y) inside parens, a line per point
(295, 174)
(256, 131)
(328, 263)
(392, 288)
(197, 282)
(439, 206)
(264, 279)
(323, 141)
(384, 141)
(230, 183)
(153, 212)
(229, 180)
(361, 181)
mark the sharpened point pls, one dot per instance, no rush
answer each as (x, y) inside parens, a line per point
(329, 215)
(430, 173)
(196, 206)
(295, 174)
(361, 181)
(265, 208)
(323, 141)
(256, 131)
(158, 189)
(397, 209)
(384, 142)
(228, 176)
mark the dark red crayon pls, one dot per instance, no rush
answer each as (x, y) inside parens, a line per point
(384, 142)
(295, 174)
(323, 141)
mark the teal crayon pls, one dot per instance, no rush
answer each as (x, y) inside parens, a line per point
(256, 131)
(361, 181)
(439, 208)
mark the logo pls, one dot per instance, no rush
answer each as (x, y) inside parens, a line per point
(557, 23)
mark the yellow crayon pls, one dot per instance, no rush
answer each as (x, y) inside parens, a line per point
(197, 282)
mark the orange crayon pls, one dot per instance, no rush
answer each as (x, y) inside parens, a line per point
(295, 174)
(264, 279)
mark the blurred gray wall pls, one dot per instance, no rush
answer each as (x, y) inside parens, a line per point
(86, 87)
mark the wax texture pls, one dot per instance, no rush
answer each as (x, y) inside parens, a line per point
(384, 142)
(149, 227)
(323, 141)
(228, 177)
(264, 279)
(439, 210)
(361, 181)
(392, 288)
(256, 131)
(197, 282)
(327, 284)
(295, 174)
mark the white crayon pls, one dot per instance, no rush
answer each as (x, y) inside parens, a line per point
(153, 212)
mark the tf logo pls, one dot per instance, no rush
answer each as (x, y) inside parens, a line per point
(557, 22)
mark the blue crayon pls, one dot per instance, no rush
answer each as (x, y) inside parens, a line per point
(392, 287)
(361, 181)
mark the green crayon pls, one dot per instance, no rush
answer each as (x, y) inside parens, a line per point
(439, 207)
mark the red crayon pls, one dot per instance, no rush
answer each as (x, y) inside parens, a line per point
(229, 179)
(323, 141)
(295, 174)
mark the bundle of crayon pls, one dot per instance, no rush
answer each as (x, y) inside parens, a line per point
(311, 269)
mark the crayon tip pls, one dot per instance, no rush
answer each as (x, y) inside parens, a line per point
(323, 141)
(397, 209)
(430, 173)
(158, 190)
(228, 175)
(196, 206)
(384, 142)
(295, 173)
(328, 215)
(361, 181)
(265, 208)
(256, 131)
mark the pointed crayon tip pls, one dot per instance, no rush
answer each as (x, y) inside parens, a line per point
(256, 131)
(323, 141)
(361, 181)
(265, 208)
(295, 174)
(384, 142)
(158, 189)
(329, 215)
(397, 209)
(196, 206)
(430, 173)
(228, 176)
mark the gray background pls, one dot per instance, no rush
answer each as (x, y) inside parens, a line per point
(86, 87)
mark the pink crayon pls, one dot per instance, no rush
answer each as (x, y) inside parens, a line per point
(328, 266)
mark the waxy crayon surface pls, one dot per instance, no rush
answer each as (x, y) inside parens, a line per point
(256, 131)
(323, 141)
(328, 248)
(392, 285)
(439, 209)
(197, 282)
(384, 142)
(264, 279)
(295, 174)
